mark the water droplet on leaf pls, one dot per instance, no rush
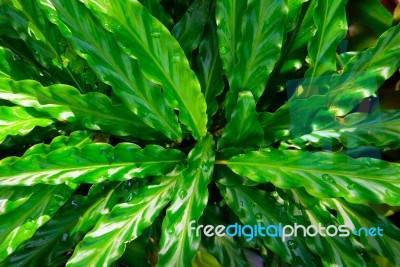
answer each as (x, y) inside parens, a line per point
(351, 186)
(182, 194)
(328, 178)
(258, 216)
(292, 244)
(223, 50)
(155, 34)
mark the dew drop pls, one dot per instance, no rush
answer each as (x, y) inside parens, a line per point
(53, 209)
(328, 178)
(258, 216)
(74, 204)
(292, 244)
(128, 184)
(64, 237)
(204, 168)
(274, 194)
(241, 203)
(223, 50)
(351, 186)
(262, 69)
(366, 161)
(390, 194)
(182, 194)
(170, 231)
(176, 58)
(155, 34)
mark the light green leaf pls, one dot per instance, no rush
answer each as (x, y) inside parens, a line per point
(189, 29)
(20, 121)
(358, 216)
(229, 17)
(91, 164)
(93, 111)
(209, 68)
(243, 129)
(125, 223)
(13, 197)
(112, 65)
(330, 20)
(178, 246)
(253, 206)
(159, 55)
(380, 129)
(322, 174)
(364, 73)
(20, 224)
(75, 139)
(260, 44)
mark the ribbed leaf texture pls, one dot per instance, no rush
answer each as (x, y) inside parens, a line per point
(124, 223)
(112, 64)
(178, 246)
(20, 121)
(363, 180)
(159, 55)
(251, 207)
(91, 164)
(92, 111)
(380, 129)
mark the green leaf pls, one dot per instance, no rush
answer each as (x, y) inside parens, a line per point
(229, 16)
(253, 206)
(159, 55)
(158, 11)
(359, 216)
(46, 42)
(330, 20)
(364, 73)
(15, 68)
(364, 180)
(260, 44)
(93, 111)
(178, 246)
(20, 224)
(204, 258)
(371, 13)
(13, 197)
(112, 65)
(20, 121)
(209, 68)
(243, 129)
(225, 249)
(91, 164)
(380, 129)
(125, 223)
(336, 249)
(75, 139)
(189, 29)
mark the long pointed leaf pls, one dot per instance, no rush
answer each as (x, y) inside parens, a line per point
(259, 46)
(112, 65)
(20, 224)
(90, 164)
(381, 129)
(93, 111)
(252, 207)
(323, 174)
(125, 223)
(177, 246)
(160, 57)
(20, 121)
(243, 129)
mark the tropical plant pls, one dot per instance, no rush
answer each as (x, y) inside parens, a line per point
(123, 122)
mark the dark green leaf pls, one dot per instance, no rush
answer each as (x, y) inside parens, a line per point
(92, 111)
(189, 29)
(178, 246)
(90, 164)
(112, 65)
(243, 129)
(323, 174)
